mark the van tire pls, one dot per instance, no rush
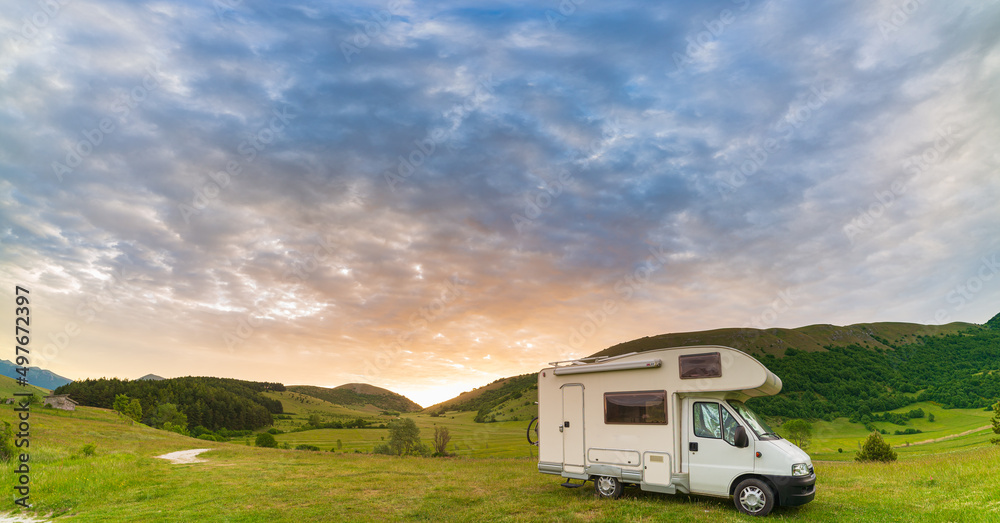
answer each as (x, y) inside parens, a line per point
(608, 487)
(754, 497)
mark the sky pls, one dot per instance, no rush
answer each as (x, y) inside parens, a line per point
(431, 196)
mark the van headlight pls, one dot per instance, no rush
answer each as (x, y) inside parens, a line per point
(801, 469)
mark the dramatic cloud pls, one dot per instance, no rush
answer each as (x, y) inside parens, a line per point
(431, 196)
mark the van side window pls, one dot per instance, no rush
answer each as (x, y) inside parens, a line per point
(708, 365)
(729, 425)
(713, 421)
(706, 420)
(635, 407)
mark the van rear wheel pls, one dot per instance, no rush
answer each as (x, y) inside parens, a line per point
(754, 497)
(608, 487)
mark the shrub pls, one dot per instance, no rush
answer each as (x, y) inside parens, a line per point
(876, 449)
(441, 439)
(266, 440)
(306, 447)
(7, 448)
(89, 449)
(178, 428)
(275, 431)
(996, 417)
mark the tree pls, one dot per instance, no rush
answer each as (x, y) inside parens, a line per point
(404, 439)
(340, 444)
(876, 449)
(315, 420)
(131, 409)
(266, 440)
(996, 417)
(799, 431)
(441, 439)
(930, 418)
(168, 413)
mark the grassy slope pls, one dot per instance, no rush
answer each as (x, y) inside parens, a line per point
(469, 396)
(829, 436)
(8, 386)
(124, 482)
(775, 341)
(357, 395)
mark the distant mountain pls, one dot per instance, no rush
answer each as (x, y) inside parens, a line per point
(36, 376)
(359, 395)
(153, 377)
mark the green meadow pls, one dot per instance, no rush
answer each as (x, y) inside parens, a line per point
(123, 481)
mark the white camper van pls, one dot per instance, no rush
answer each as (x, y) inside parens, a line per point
(669, 420)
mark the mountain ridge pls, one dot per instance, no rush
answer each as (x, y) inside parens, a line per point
(37, 376)
(359, 394)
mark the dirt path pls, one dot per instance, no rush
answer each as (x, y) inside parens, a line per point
(9, 518)
(942, 438)
(183, 456)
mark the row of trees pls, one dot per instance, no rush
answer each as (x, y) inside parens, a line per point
(404, 440)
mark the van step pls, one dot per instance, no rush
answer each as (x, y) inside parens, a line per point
(572, 485)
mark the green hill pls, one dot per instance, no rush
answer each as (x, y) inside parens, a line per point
(8, 386)
(358, 395)
(504, 399)
(810, 338)
(994, 323)
(827, 371)
(210, 402)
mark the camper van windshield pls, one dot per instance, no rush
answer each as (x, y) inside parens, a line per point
(757, 423)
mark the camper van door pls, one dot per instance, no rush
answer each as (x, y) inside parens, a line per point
(572, 427)
(714, 460)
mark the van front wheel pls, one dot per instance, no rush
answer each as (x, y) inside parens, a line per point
(608, 487)
(754, 497)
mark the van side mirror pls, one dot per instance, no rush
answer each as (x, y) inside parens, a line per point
(740, 438)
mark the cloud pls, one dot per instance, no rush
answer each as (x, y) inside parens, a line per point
(274, 175)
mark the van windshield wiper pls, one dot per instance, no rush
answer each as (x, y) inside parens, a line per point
(770, 434)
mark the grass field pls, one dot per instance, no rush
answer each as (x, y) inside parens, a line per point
(468, 439)
(124, 482)
(829, 436)
(506, 438)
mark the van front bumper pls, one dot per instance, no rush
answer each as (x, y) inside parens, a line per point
(794, 490)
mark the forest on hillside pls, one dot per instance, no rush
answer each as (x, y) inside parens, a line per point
(956, 371)
(960, 370)
(214, 403)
